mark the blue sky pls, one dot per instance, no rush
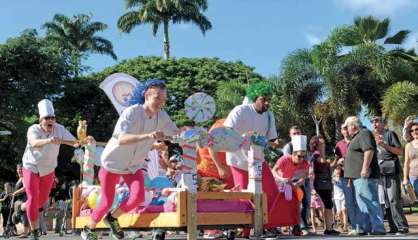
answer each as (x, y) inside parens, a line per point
(258, 32)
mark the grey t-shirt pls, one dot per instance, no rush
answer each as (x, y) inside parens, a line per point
(353, 163)
(390, 139)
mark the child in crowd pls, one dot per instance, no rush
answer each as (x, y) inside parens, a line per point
(5, 200)
(317, 206)
(339, 198)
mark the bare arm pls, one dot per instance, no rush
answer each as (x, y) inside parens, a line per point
(406, 165)
(394, 150)
(222, 170)
(367, 159)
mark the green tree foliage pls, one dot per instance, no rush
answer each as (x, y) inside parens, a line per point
(157, 12)
(228, 95)
(297, 89)
(78, 36)
(356, 66)
(31, 68)
(184, 77)
(400, 101)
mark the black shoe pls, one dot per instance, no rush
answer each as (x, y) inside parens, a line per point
(402, 231)
(376, 233)
(331, 232)
(34, 235)
(88, 234)
(114, 226)
(296, 231)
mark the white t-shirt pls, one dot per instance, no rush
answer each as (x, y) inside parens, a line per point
(244, 118)
(123, 159)
(43, 160)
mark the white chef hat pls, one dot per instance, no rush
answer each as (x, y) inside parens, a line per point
(46, 109)
(299, 142)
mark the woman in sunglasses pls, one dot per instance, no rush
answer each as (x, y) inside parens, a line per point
(290, 171)
(411, 159)
(40, 161)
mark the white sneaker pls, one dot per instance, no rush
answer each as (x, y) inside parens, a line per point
(355, 233)
(305, 232)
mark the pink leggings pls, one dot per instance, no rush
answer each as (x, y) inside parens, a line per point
(108, 182)
(37, 191)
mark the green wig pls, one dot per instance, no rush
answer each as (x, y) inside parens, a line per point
(258, 89)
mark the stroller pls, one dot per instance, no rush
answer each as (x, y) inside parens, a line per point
(9, 231)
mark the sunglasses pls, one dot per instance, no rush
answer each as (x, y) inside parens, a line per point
(414, 130)
(301, 156)
(49, 118)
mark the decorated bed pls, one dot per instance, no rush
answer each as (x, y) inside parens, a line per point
(203, 210)
(184, 207)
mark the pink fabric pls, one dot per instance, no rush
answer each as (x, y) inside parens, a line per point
(269, 184)
(205, 205)
(108, 182)
(270, 188)
(37, 191)
(341, 148)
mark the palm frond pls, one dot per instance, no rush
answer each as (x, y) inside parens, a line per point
(398, 38)
(128, 21)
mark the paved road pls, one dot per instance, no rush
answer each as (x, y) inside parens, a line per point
(178, 237)
(412, 220)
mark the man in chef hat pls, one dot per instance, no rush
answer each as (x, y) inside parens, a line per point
(293, 169)
(40, 160)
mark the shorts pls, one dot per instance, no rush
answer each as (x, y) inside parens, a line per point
(339, 205)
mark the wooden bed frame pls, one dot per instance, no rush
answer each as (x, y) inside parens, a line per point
(184, 218)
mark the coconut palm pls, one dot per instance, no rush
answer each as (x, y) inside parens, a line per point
(157, 12)
(369, 29)
(400, 101)
(78, 35)
(298, 88)
(228, 95)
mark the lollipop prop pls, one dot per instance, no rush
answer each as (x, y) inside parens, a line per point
(200, 107)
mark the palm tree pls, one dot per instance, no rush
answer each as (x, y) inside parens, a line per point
(157, 12)
(298, 88)
(228, 95)
(366, 30)
(400, 101)
(78, 35)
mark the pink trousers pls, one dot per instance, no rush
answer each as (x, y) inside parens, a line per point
(108, 182)
(37, 190)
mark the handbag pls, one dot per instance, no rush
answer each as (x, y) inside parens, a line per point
(408, 196)
(388, 167)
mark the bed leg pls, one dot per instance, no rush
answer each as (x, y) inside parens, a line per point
(191, 216)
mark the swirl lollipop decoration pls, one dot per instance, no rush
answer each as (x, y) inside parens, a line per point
(200, 107)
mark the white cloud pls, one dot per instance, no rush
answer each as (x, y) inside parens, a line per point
(377, 7)
(312, 39)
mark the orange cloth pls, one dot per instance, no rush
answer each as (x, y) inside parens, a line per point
(206, 166)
